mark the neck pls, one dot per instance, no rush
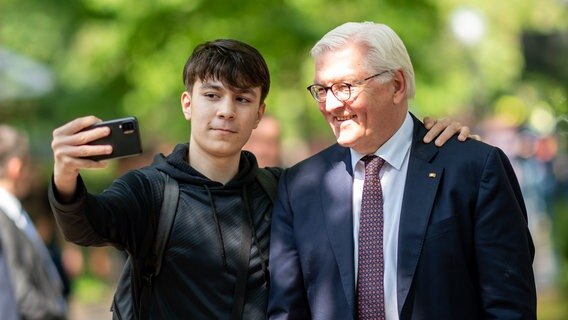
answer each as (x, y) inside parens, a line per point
(8, 186)
(220, 169)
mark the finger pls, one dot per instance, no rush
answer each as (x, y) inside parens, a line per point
(448, 132)
(437, 127)
(65, 153)
(62, 138)
(87, 150)
(429, 122)
(464, 133)
(71, 164)
(70, 151)
(85, 137)
(75, 125)
(67, 165)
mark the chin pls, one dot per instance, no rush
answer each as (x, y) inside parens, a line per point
(224, 149)
(347, 143)
(345, 138)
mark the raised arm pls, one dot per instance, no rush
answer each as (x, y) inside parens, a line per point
(117, 216)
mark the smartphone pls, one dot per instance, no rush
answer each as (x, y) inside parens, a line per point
(124, 138)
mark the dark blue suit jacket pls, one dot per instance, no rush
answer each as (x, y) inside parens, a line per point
(464, 249)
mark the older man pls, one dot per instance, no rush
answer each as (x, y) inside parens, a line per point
(384, 226)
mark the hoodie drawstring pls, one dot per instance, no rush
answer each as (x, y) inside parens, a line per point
(218, 227)
(263, 259)
(254, 237)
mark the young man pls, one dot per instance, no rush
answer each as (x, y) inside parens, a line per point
(381, 225)
(217, 183)
(226, 84)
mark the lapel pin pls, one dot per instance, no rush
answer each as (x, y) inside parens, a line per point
(432, 175)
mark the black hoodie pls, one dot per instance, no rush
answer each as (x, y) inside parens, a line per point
(198, 272)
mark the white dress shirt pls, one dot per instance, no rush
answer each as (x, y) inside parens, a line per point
(396, 152)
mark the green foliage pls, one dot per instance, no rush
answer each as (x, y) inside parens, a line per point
(124, 57)
(114, 58)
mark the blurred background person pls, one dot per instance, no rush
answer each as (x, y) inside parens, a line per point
(37, 206)
(532, 156)
(8, 306)
(265, 143)
(37, 285)
(533, 162)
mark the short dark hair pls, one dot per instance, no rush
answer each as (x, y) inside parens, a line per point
(236, 64)
(13, 144)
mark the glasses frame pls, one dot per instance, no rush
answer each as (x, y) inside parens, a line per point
(314, 94)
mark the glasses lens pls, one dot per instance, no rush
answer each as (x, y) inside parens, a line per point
(318, 92)
(342, 91)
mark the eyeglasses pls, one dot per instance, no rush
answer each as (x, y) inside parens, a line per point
(341, 90)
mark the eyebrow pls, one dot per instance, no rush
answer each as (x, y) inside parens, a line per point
(246, 91)
(208, 85)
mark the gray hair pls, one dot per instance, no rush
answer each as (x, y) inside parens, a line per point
(386, 49)
(13, 144)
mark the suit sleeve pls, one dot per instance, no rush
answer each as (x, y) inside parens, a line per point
(504, 248)
(287, 295)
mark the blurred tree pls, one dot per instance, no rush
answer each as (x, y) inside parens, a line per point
(124, 57)
(114, 58)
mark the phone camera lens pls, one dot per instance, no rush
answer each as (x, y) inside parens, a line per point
(127, 127)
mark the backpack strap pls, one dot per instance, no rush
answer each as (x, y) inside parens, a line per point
(167, 216)
(153, 262)
(268, 181)
(269, 184)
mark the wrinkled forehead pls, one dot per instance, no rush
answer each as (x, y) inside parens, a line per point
(347, 63)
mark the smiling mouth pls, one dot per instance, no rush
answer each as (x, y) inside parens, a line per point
(344, 118)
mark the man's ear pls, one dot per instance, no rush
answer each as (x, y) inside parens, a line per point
(259, 114)
(14, 168)
(186, 105)
(399, 83)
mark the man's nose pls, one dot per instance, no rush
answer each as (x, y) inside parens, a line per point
(331, 102)
(227, 109)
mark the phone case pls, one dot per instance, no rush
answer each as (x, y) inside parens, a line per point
(124, 138)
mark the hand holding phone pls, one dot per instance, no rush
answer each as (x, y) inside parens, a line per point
(124, 138)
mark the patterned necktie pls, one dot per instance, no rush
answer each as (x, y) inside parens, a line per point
(370, 291)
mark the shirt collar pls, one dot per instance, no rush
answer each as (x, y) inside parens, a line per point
(10, 205)
(395, 149)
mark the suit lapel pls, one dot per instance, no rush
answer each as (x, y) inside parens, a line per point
(420, 191)
(336, 197)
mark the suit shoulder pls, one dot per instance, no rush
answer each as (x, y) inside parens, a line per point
(468, 146)
(468, 152)
(319, 162)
